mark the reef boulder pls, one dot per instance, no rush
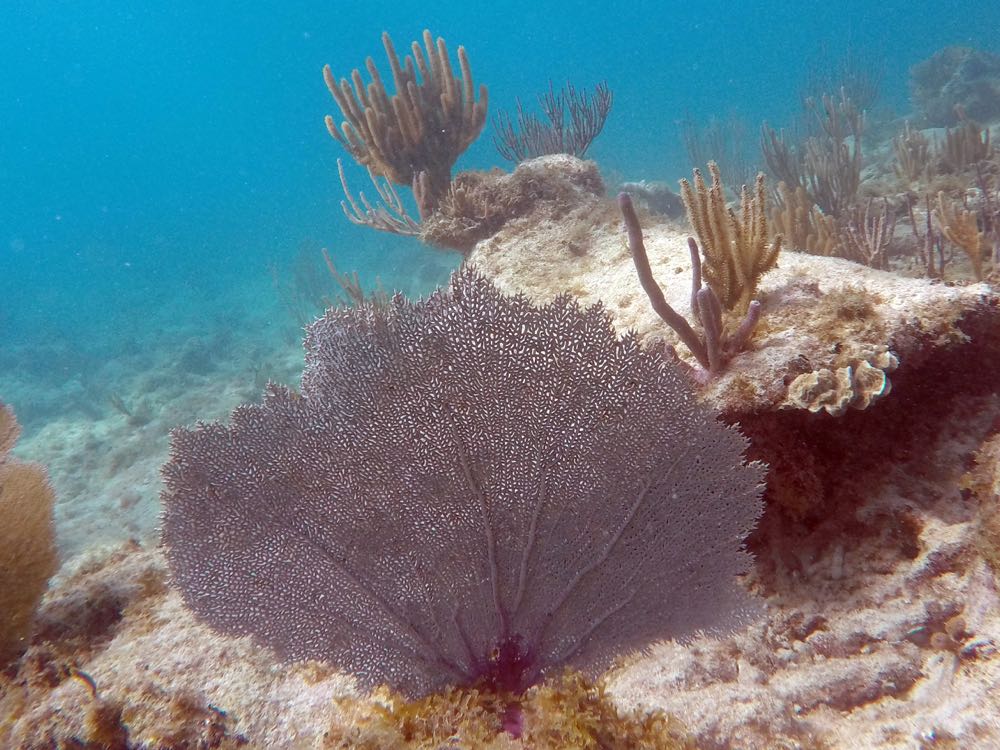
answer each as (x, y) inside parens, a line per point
(954, 80)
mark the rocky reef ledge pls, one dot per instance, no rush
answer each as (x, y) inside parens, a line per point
(821, 315)
(874, 399)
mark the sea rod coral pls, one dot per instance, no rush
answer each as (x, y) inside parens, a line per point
(467, 490)
(414, 136)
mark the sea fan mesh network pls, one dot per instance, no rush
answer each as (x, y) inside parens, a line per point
(467, 489)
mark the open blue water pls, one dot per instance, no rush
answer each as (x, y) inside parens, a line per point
(160, 163)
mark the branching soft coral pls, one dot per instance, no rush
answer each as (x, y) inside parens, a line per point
(414, 136)
(738, 250)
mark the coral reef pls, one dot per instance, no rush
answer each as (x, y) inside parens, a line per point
(868, 387)
(884, 630)
(478, 204)
(956, 77)
(817, 312)
(27, 540)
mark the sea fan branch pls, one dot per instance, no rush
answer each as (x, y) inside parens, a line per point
(440, 447)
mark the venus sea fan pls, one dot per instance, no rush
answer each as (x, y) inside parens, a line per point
(467, 488)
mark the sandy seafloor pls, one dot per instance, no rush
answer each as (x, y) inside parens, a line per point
(100, 422)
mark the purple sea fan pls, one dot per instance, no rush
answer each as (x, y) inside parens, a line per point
(468, 489)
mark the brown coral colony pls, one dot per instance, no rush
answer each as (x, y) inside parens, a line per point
(413, 137)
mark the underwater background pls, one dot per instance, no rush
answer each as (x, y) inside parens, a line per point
(170, 215)
(167, 183)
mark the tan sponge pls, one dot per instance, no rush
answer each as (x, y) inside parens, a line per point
(27, 540)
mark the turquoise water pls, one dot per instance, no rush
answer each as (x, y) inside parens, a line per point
(165, 167)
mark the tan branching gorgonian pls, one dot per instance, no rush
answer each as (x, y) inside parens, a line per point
(388, 215)
(28, 556)
(737, 250)
(868, 234)
(419, 132)
(802, 224)
(965, 145)
(832, 162)
(912, 151)
(961, 227)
